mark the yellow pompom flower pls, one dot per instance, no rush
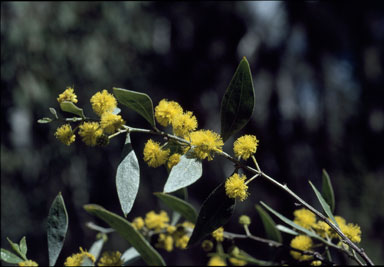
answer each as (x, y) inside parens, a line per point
(216, 261)
(78, 258)
(218, 234)
(322, 229)
(111, 258)
(245, 146)
(67, 95)
(65, 134)
(352, 231)
(165, 241)
(103, 102)
(304, 218)
(28, 263)
(90, 132)
(181, 241)
(154, 155)
(156, 221)
(166, 110)
(110, 122)
(206, 143)
(173, 160)
(237, 262)
(184, 123)
(235, 187)
(304, 243)
(316, 263)
(138, 223)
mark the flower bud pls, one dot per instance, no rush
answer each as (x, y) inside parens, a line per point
(244, 220)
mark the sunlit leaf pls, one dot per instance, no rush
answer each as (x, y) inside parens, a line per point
(269, 225)
(286, 230)
(23, 246)
(327, 191)
(130, 256)
(16, 249)
(96, 248)
(70, 107)
(54, 113)
(9, 257)
(44, 120)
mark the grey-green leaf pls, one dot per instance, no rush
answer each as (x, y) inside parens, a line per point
(127, 177)
(323, 203)
(179, 205)
(54, 113)
(70, 107)
(44, 120)
(9, 257)
(238, 101)
(57, 226)
(269, 225)
(127, 231)
(183, 174)
(139, 102)
(215, 212)
(327, 191)
(248, 258)
(130, 256)
(23, 246)
(16, 249)
(96, 248)
(286, 230)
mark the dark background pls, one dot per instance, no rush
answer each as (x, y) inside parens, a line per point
(318, 75)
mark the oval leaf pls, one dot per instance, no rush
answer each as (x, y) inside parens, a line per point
(23, 246)
(269, 225)
(183, 174)
(178, 205)
(327, 191)
(57, 225)
(44, 120)
(238, 101)
(216, 210)
(127, 177)
(139, 102)
(126, 230)
(286, 230)
(54, 113)
(70, 107)
(9, 257)
(16, 248)
(324, 204)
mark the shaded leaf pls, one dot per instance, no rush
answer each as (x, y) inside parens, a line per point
(323, 203)
(178, 205)
(238, 101)
(249, 259)
(139, 102)
(127, 231)
(96, 248)
(286, 230)
(57, 225)
(183, 174)
(9, 257)
(327, 191)
(130, 256)
(70, 107)
(127, 177)
(44, 120)
(54, 113)
(215, 212)
(269, 225)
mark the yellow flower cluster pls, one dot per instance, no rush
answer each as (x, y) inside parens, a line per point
(235, 187)
(156, 221)
(218, 234)
(173, 160)
(205, 143)
(237, 262)
(78, 258)
(103, 102)
(111, 258)
(304, 218)
(65, 134)
(216, 261)
(304, 243)
(154, 155)
(138, 223)
(166, 111)
(28, 263)
(67, 95)
(90, 132)
(110, 122)
(245, 146)
(352, 231)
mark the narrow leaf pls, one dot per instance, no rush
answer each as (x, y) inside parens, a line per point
(127, 177)
(238, 101)
(286, 230)
(178, 205)
(87, 262)
(248, 258)
(44, 120)
(96, 248)
(269, 225)
(54, 113)
(9, 257)
(127, 231)
(183, 174)
(130, 256)
(214, 213)
(23, 246)
(139, 102)
(327, 191)
(70, 107)
(16, 249)
(324, 204)
(57, 225)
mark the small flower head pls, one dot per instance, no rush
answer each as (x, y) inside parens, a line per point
(173, 160)
(138, 223)
(110, 122)
(156, 221)
(165, 241)
(184, 123)
(78, 258)
(352, 231)
(218, 234)
(65, 134)
(206, 143)
(322, 229)
(216, 261)
(304, 243)
(235, 187)
(304, 218)
(67, 95)
(207, 245)
(316, 263)
(237, 262)
(244, 220)
(181, 241)
(103, 102)
(245, 146)
(28, 263)
(166, 110)
(90, 132)
(154, 155)
(111, 258)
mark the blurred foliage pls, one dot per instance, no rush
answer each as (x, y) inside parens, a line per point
(318, 77)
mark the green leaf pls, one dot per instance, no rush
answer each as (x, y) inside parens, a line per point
(238, 101)
(9, 257)
(44, 120)
(130, 256)
(183, 174)
(96, 248)
(249, 259)
(269, 225)
(70, 107)
(139, 102)
(57, 226)
(286, 230)
(87, 262)
(54, 113)
(327, 191)
(16, 248)
(324, 204)
(127, 177)
(127, 231)
(23, 246)
(214, 213)
(116, 111)
(178, 205)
